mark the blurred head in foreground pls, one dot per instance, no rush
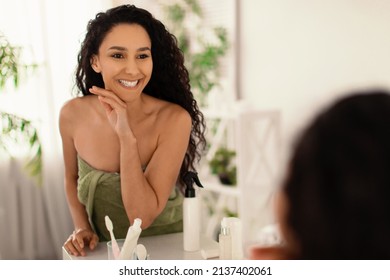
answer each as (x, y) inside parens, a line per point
(335, 201)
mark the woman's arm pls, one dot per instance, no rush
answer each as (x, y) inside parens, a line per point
(83, 232)
(145, 193)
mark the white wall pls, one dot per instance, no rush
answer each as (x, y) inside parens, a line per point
(297, 55)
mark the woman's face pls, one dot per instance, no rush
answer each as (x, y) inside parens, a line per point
(125, 60)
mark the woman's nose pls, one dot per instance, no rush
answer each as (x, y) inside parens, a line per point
(131, 67)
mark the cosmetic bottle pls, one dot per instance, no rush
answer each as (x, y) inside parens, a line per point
(131, 240)
(191, 213)
(235, 226)
(225, 242)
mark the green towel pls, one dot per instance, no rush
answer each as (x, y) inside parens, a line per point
(100, 192)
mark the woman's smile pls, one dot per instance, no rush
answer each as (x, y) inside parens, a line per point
(129, 84)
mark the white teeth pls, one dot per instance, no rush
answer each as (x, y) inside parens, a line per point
(129, 83)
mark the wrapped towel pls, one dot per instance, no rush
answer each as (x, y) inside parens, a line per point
(100, 192)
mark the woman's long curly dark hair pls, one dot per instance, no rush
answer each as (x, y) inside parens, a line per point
(169, 80)
(338, 187)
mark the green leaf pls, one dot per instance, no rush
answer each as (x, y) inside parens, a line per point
(203, 64)
(16, 129)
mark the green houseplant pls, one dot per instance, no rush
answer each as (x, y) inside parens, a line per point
(223, 166)
(203, 61)
(16, 130)
(202, 58)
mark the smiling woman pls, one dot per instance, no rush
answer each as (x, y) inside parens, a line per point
(128, 141)
(126, 59)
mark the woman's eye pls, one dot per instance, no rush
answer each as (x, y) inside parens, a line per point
(117, 55)
(143, 56)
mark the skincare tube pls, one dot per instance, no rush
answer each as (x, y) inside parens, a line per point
(131, 240)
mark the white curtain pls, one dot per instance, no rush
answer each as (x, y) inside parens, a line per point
(35, 220)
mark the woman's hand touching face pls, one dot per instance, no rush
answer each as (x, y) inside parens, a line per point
(115, 108)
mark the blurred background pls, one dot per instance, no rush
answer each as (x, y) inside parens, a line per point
(259, 70)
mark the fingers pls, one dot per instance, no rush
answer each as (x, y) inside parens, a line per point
(105, 105)
(78, 242)
(115, 109)
(73, 247)
(110, 104)
(108, 97)
(78, 239)
(94, 241)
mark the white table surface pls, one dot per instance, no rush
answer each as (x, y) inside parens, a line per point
(159, 247)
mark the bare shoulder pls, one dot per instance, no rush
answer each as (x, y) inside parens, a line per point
(175, 115)
(74, 109)
(75, 106)
(69, 107)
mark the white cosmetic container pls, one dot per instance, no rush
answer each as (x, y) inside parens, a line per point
(191, 224)
(191, 214)
(235, 226)
(225, 242)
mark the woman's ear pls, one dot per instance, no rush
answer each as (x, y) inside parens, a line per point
(95, 64)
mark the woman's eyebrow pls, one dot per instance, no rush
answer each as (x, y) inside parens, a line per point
(118, 48)
(144, 49)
